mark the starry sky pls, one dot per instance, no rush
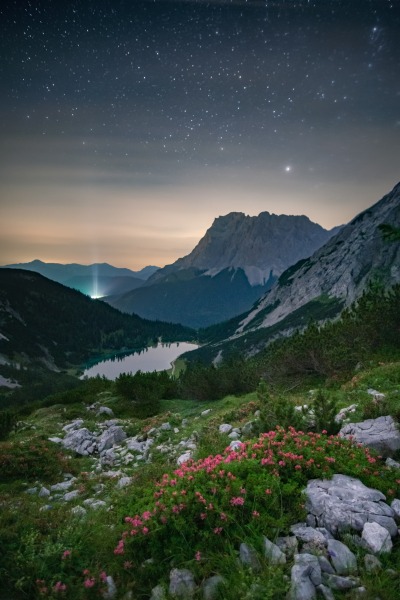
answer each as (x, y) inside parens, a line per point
(126, 127)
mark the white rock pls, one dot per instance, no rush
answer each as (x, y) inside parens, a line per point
(395, 506)
(184, 457)
(376, 538)
(79, 511)
(205, 412)
(70, 495)
(123, 482)
(225, 428)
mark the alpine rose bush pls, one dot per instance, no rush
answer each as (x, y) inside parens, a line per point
(244, 493)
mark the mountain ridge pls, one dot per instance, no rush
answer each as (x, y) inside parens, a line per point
(317, 288)
(233, 264)
(96, 280)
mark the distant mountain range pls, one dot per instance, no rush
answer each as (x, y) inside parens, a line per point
(236, 261)
(320, 286)
(96, 280)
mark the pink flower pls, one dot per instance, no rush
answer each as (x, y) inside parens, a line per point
(237, 501)
(255, 513)
(217, 530)
(198, 555)
(89, 582)
(103, 576)
(128, 564)
(66, 554)
(120, 547)
(59, 587)
(268, 492)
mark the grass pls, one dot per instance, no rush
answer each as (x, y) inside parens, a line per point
(36, 532)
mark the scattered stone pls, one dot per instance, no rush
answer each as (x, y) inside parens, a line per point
(336, 582)
(158, 593)
(311, 563)
(288, 545)
(395, 506)
(79, 511)
(342, 558)
(184, 457)
(176, 430)
(45, 507)
(55, 440)
(81, 441)
(360, 591)
(344, 503)
(235, 445)
(392, 463)
(205, 412)
(308, 535)
(248, 557)
(372, 563)
(342, 414)
(105, 410)
(225, 428)
(111, 591)
(181, 584)
(74, 425)
(381, 434)
(378, 396)
(184, 422)
(70, 495)
(248, 428)
(44, 492)
(273, 553)
(376, 538)
(211, 587)
(123, 482)
(234, 435)
(165, 427)
(111, 437)
(63, 486)
(305, 575)
(94, 504)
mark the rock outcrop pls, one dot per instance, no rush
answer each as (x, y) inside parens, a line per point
(381, 434)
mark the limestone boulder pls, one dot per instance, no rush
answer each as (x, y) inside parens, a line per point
(345, 503)
(381, 434)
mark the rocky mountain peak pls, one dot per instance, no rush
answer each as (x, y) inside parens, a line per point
(341, 268)
(263, 246)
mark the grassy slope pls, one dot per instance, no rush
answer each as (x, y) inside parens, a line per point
(33, 541)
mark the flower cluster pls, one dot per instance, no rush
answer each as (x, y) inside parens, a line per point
(241, 488)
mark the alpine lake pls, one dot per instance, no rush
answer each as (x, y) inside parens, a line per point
(154, 358)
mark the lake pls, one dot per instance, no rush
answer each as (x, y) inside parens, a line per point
(157, 358)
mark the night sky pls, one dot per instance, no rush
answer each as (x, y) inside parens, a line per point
(127, 127)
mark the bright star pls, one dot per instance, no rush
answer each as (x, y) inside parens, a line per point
(288, 169)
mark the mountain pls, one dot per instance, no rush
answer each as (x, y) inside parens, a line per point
(319, 287)
(263, 246)
(237, 260)
(98, 279)
(45, 324)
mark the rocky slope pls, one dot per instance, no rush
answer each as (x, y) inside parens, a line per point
(341, 269)
(236, 261)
